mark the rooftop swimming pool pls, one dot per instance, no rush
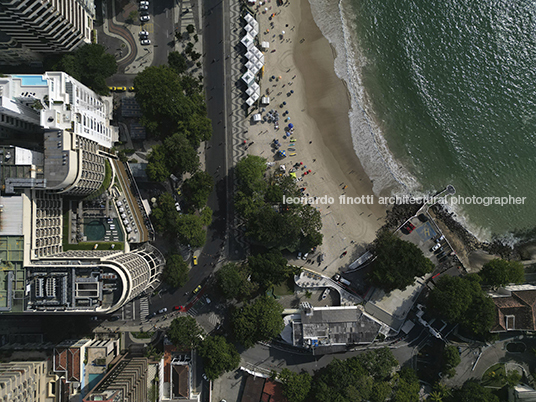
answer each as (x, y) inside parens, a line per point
(32, 80)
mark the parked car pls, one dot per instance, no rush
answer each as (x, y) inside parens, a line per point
(194, 260)
(145, 42)
(208, 300)
(144, 17)
(112, 89)
(197, 289)
(150, 315)
(305, 256)
(144, 3)
(434, 248)
(205, 377)
(175, 308)
(144, 7)
(121, 89)
(423, 218)
(162, 311)
(143, 34)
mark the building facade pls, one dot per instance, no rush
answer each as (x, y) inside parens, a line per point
(25, 382)
(38, 27)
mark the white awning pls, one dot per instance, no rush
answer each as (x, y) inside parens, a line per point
(249, 78)
(248, 41)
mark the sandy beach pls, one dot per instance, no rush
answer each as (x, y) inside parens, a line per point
(318, 109)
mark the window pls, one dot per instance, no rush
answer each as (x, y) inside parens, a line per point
(510, 322)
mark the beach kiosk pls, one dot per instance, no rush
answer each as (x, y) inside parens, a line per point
(265, 100)
(257, 117)
(265, 45)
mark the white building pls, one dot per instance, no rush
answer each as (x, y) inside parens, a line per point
(51, 102)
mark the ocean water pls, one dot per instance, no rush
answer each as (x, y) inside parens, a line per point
(443, 92)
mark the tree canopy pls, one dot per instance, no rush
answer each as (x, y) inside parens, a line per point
(270, 268)
(462, 300)
(184, 332)
(232, 280)
(451, 359)
(270, 220)
(176, 271)
(89, 64)
(167, 109)
(364, 377)
(499, 272)
(197, 189)
(176, 155)
(296, 387)
(257, 321)
(177, 62)
(218, 355)
(398, 262)
(472, 391)
(408, 387)
(191, 229)
(164, 215)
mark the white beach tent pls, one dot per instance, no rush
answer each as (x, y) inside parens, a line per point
(248, 27)
(265, 45)
(261, 58)
(253, 32)
(249, 55)
(255, 96)
(250, 64)
(247, 40)
(254, 24)
(257, 117)
(255, 86)
(254, 69)
(249, 78)
(250, 101)
(258, 65)
(256, 52)
(265, 100)
(248, 17)
(250, 91)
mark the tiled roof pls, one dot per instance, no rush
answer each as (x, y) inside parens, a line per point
(272, 392)
(521, 305)
(180, 381)
(68, 360)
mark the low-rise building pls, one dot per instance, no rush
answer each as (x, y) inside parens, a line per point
(516, 308)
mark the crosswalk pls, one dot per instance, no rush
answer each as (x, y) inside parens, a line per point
(193, 312)
(144, 307)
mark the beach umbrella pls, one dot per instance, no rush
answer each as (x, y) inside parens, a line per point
(284, 103)
(309, 171)
(291, 125)
(265, 8)
(282, 32)
(291, 91)
(280, 77)
(301, 163)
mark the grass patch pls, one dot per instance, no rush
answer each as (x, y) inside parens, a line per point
(90, 245)
(285, 289)
(142, 335)
(105, 182)
(495, 376)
